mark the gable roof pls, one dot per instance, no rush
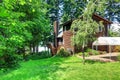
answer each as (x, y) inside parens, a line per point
(101, 18)
(95, 16)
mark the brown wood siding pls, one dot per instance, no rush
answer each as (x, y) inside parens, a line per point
(67, 43)
(102, 48)
(105, 23)
(100, 34)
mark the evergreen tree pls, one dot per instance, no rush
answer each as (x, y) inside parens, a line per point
(72, 9)
(112, 11)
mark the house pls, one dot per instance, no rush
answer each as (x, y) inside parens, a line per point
(63, 36)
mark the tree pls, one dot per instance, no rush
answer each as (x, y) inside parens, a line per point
(13, 33)
(11, 29)
(113, 31)
(35, 19)
(22, 23)
(72, 9)
(112, 11)
(86, 27)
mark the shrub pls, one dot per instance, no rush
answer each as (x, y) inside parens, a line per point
(89, 52)
(116, 48)
(102, 52)
(118, 58)
(39, 55)
(92, 52)
(86, 54)
(44, 54)
(63, 53)
(9, 61)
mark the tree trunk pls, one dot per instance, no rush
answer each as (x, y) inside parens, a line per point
(31, 48)
(24, 55)
(45, 48)
(37, 48)
(83, 54)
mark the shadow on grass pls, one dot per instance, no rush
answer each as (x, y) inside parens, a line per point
(49, 69)
(93, 62)
(42, 69)
(6, 70)
(115, 58)
(37, 56)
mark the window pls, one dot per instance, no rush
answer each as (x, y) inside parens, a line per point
(60, 42)
(100, 29)
(66, 28)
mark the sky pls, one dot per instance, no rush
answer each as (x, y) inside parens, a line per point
(115, 26)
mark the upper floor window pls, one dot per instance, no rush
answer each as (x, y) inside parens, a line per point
(66, 28)
(100, 29)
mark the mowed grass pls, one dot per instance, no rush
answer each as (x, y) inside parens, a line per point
(70, 68)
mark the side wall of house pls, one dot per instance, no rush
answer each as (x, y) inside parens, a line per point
(104, 32)
(67, 42)
(67, 34)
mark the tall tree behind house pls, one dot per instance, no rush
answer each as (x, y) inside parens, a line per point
(54, 13)
(112, 11)
(73, 9)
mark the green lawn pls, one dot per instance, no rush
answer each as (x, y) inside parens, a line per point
(70, 68)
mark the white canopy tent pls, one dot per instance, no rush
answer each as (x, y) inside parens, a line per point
(110, 41)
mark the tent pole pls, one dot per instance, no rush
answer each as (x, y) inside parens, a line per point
(96, 47)
(92, 48)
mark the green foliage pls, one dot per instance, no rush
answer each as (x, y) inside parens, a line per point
(85, 33)
(45, 54)
(40, 55)
(92, 52)
(113, 33)
(86, 54)
(72, 9)
(112, 9)
(118, 57)
(63, 53)
(9, 61)
(89, 52)
(22, 23)
(86, 27)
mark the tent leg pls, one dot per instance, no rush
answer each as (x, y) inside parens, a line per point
(92, 48)
(96, 47)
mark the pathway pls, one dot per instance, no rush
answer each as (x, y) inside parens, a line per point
(103, 57)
